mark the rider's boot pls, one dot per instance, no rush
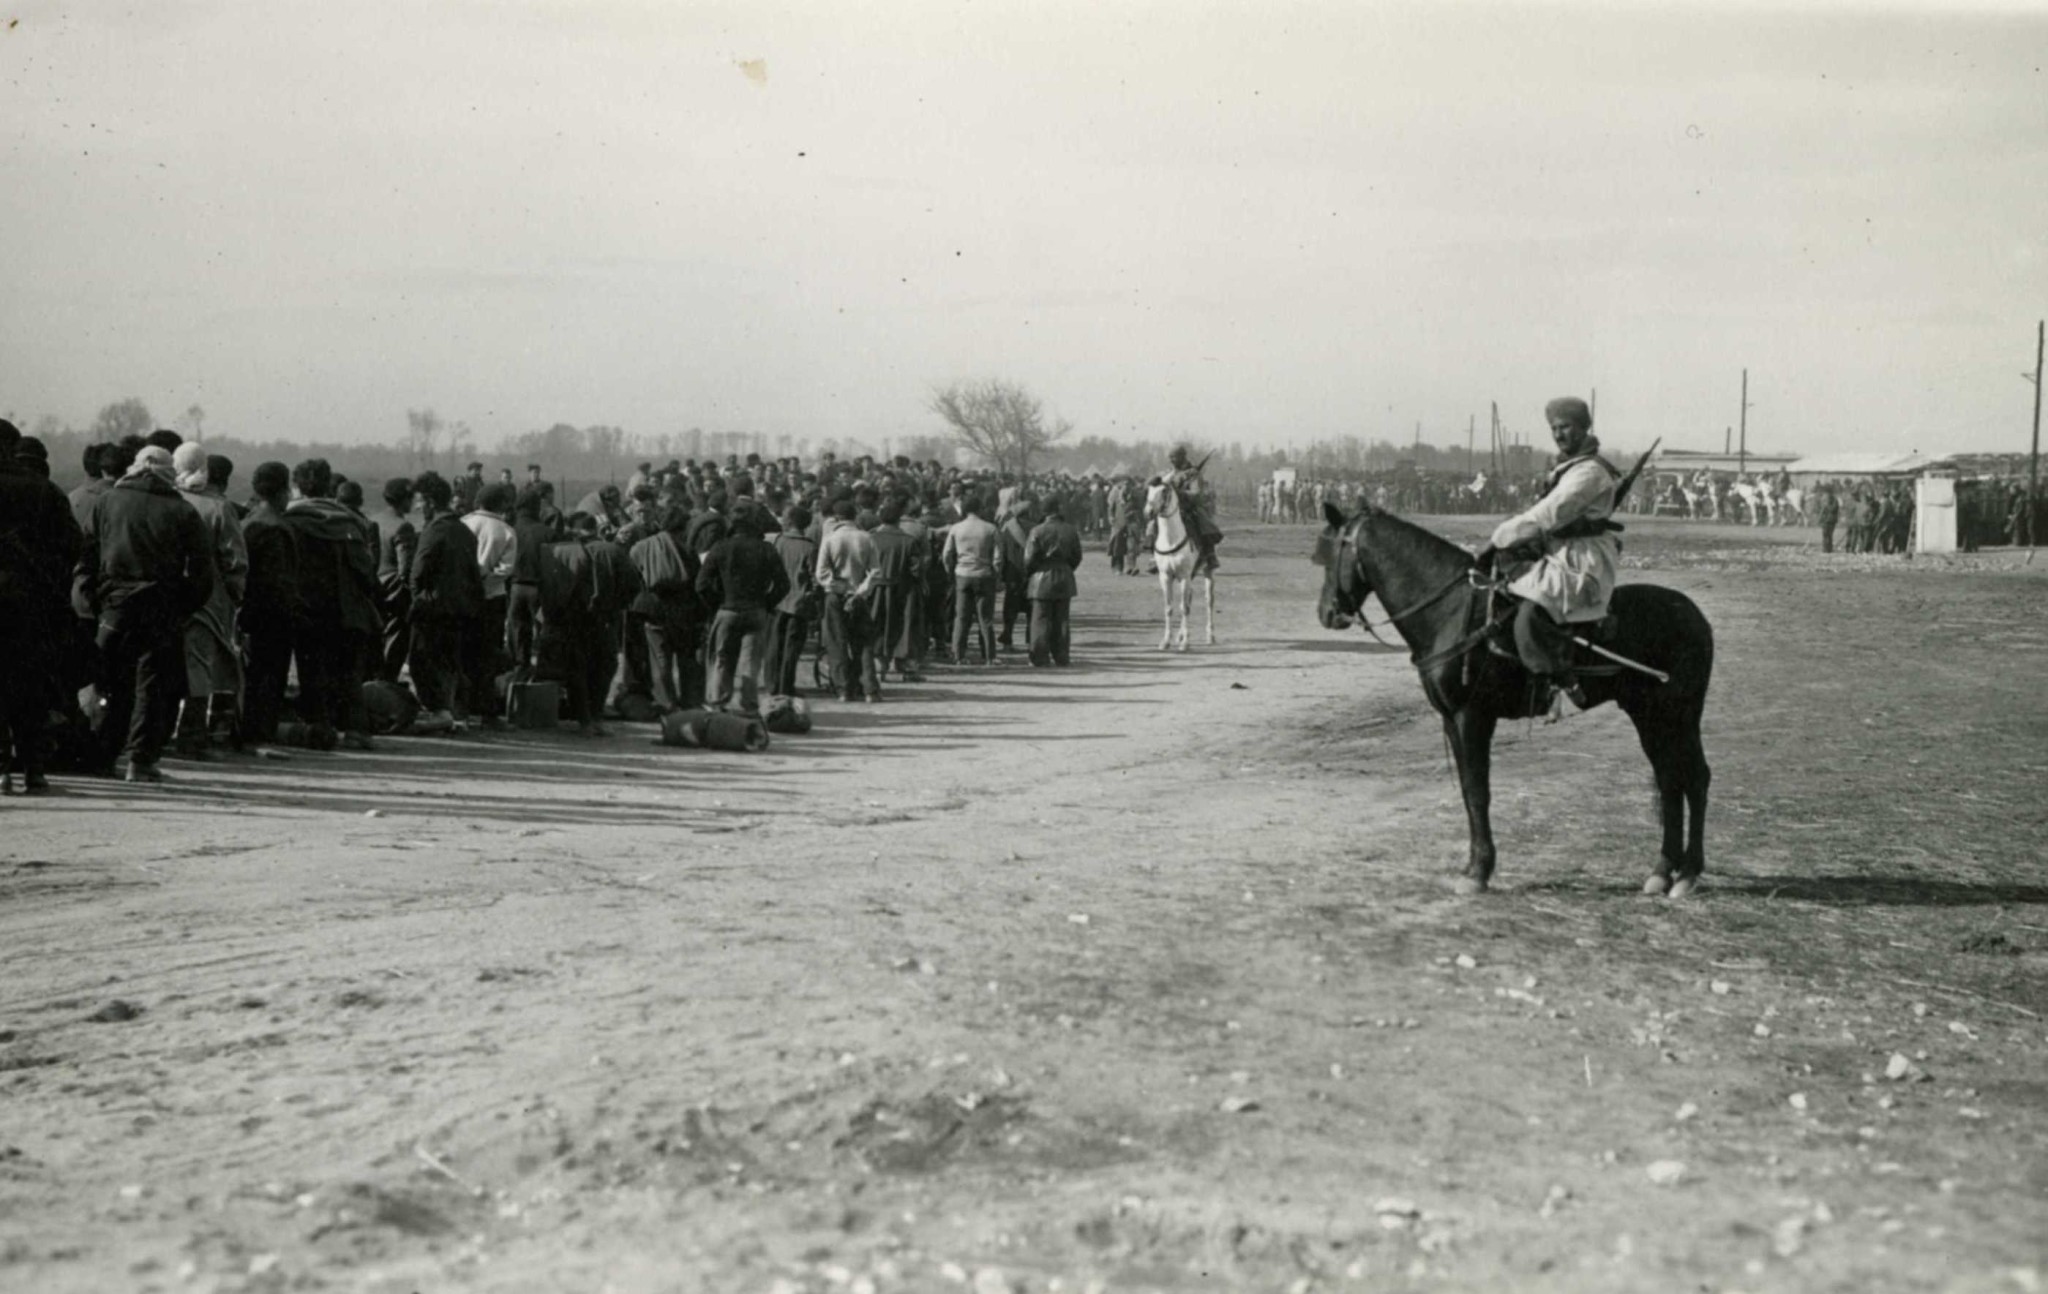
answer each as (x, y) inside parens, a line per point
(1569, 687)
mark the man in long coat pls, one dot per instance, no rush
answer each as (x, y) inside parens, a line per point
(341, 633)
(1051, 555)
(899, 587)
(213, 662)
(39, 540)
(1562, 555)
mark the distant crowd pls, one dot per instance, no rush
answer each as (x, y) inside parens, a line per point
(158, 610)
(1430, 493)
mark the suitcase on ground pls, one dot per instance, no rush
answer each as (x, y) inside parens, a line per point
(534, 705)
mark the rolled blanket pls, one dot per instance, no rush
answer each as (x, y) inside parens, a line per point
(712, 730)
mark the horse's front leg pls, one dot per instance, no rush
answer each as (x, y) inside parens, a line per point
(1471, 737)
(1209, 606)
(1166, 599)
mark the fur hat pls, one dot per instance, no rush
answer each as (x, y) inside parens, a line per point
(1570, 407)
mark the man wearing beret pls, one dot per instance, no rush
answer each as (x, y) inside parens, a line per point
(1562, 556)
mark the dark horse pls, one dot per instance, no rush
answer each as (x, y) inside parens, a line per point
(1425, 583)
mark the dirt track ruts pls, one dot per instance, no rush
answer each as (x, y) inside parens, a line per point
(1145, 974)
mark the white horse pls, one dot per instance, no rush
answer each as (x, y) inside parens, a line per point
(1792, 508)
(1177, 556)
(1756, 497)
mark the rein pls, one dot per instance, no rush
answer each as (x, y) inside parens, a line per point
(1471, 577)
(1186, 533)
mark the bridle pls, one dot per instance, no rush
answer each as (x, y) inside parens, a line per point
(1472, 577)
(1173, 510)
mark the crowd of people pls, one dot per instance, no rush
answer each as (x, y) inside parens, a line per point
(151, 612)
(1416, 492)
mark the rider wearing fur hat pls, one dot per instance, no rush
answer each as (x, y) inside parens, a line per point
(1186, 478)
(1562, 555)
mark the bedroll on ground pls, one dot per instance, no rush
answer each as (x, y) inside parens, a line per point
(713, 730)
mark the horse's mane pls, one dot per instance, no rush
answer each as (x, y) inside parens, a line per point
(1422, 542)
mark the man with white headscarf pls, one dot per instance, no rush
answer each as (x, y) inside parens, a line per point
(213, 667)
(1563, 556)
(147, 564)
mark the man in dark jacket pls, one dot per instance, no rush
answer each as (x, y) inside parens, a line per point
(342, 632)
(447, 591)
(744, 577)
(664, 614)
(789, 628)
(272, 608)
(615, 587)
(397, 541)
(533, 539)
(39, 541)
(582, 601)
(707, 526)
(1051, 555)
(146, 564)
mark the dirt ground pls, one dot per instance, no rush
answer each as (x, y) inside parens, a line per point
(1143, 975)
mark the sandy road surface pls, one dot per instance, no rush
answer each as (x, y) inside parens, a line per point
(1143, 975)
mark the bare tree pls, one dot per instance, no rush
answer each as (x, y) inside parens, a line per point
(129, 417)
(422, 431)
(461, 445)
(998, 420)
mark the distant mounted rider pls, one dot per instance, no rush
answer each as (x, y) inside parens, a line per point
(1187, 480)
(1562, 556)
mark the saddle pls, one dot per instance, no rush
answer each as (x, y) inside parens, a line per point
(1500, 635)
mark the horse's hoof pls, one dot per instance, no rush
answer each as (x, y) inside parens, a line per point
(1657, 885)
(1467, 886)
(1682, 887)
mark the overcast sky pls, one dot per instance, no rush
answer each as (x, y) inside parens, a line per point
(1265, 222)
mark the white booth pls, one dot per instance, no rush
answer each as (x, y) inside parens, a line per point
(1934, 512)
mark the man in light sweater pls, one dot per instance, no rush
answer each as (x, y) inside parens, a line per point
(497, 549)
(845, 556)
(973, 553)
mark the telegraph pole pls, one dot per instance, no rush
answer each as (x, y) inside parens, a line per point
(2034, 459)
(1471, 429)
(1742, 454)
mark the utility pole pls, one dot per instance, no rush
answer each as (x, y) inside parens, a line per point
(1742, 454)
(1471, 429)
(1593, 407)
(2034, 459)
(1727, 441)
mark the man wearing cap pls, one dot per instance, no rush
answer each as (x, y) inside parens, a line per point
(1051, 555)
(1562, 556)
(469, 487)
(1186, 479)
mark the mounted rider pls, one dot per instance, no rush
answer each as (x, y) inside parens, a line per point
(1562, 556)
(1187, 481)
